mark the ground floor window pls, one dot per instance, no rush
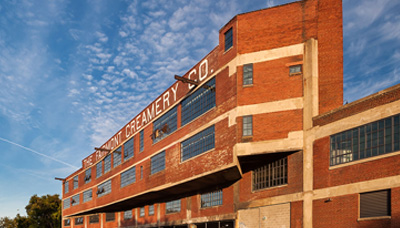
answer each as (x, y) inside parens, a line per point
(110, 217)
(270, 175)
(211, 199)
(173, 206)
(94, 219)
(375, 204)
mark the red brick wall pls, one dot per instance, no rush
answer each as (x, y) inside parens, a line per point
(265, 125)
(226, 207)
(270, 28)
(271, 82)
(383, 97)
(343, 211)
(295, 182)
(323, 177)
(296, 214)
(330, 54)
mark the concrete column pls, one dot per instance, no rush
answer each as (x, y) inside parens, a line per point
(311, 104)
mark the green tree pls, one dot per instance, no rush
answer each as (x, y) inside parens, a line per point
(6, 222)
(44, 212)
(21, 221)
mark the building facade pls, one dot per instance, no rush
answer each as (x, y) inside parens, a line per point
(255, 135)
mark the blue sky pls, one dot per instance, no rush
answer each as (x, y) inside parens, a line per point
(72, 73)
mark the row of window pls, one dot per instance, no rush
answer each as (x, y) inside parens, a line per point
(373, 139)
(272, 174)
(372, 204)
(193, 106)
(207, 200)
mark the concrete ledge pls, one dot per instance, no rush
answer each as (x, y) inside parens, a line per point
(294, 142)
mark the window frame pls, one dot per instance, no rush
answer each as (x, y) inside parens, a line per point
(248, 76)
(93, 219)
(79, 220)
(366, 141)
(75, 180)
(190, 144)
(157, 163)
(88, 175)
(168, 119)
(142, 212)
(129, 148)
(66, 187)
(110, 216)
(86, 194)
(107, 163)
(117, 157)
(129, 212)
(198, 103)
(261, 176)
(211, 199)
(107, 186)
(141, 141)
(99, 172)
(131, 172)
(75, 198)
(228, 39)
(247, 126)
(172, 207)
(151, 209)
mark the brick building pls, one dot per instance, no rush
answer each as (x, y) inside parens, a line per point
(257, 137)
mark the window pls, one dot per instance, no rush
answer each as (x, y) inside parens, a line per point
(87, 195)
(141, 172)
(66, 187)
(67, 203)
(141, 141)
(375, 204)
(295, 69)
(141, 212)
(157, 163)
(128, 215)
(99, 171)
(165, 125)
(228, 39)
(107, 163)
(151, 210)
(247, 125)
(373, 139)
(110, 217)
(75, 200)
(117, 157)
(128, 149)
(128, 177)
(197, 144)
(94, 219)
(173, 206)
(67, 222)
(79, 221)
(198, 103)
(76, 182)
(270, 175)
(88, 175)
(211, 199)
(104, 188)
(248, 74)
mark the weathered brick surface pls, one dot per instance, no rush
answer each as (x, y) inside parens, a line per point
(383, 97)
(295, 181)
(296, 214)
(342, 211)
(264, 125)
(271, 82)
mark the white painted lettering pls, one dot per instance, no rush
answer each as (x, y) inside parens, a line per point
(157, 106)
(166, 99)
(175, 90)
(137, 122)
(205, 64)
(144, 120)
(150, 115)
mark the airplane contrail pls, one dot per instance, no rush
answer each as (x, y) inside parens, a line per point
(38, 153)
